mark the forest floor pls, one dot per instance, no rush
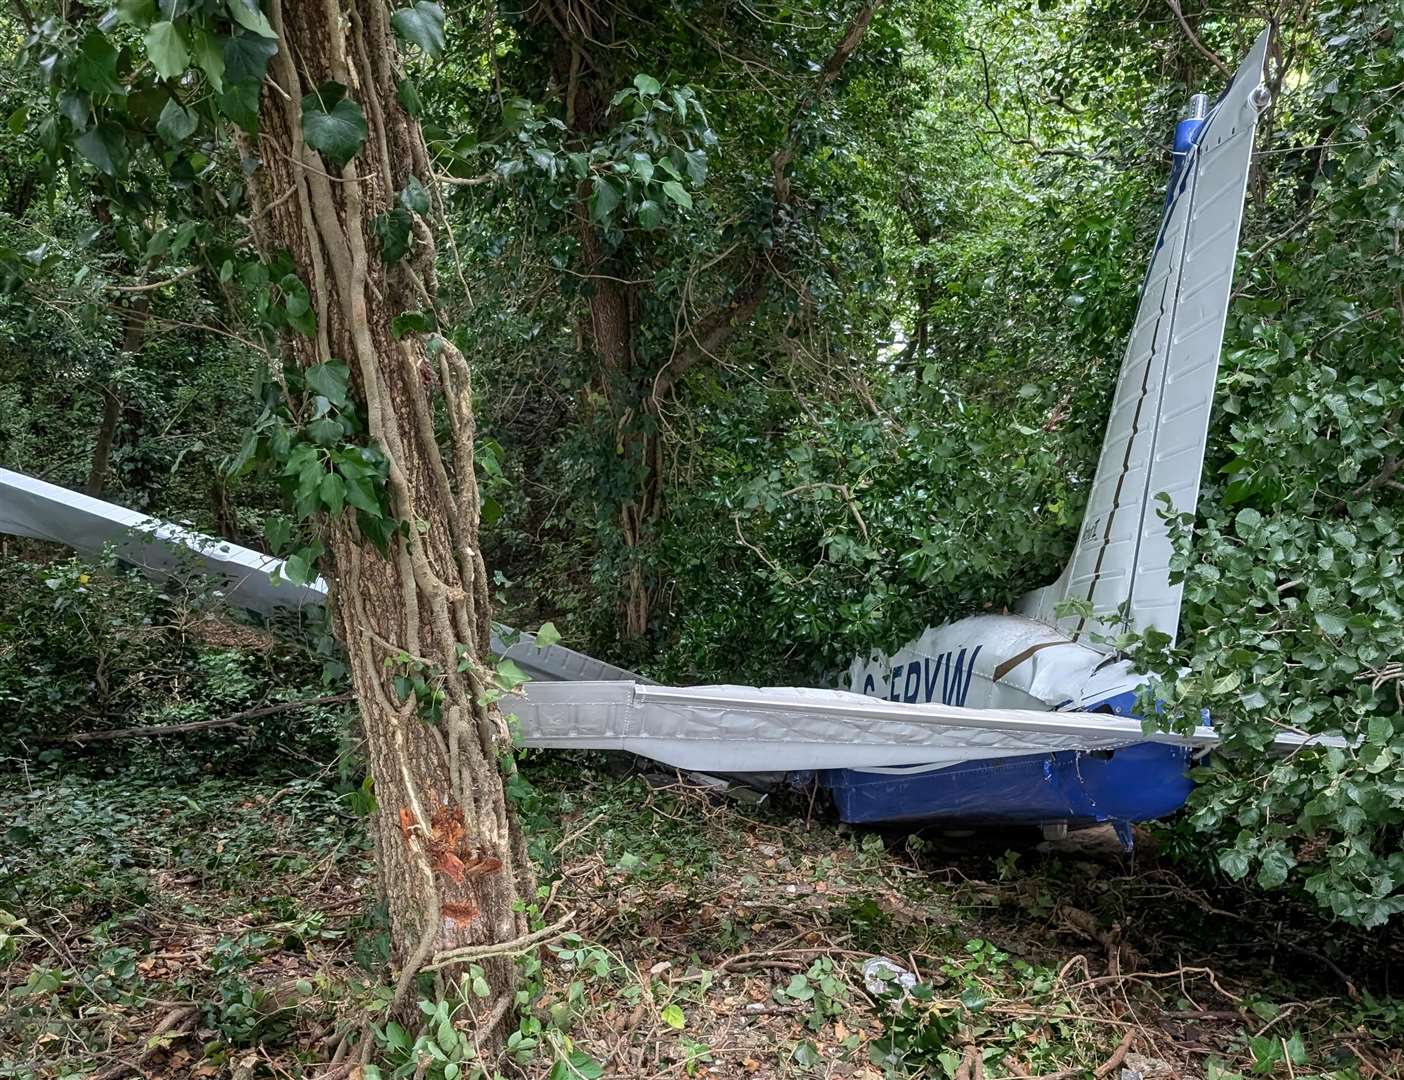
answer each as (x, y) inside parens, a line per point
(222, 928)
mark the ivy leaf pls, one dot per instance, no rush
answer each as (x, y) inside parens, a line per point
(604, 200)
(177, 123)
(209, 57)
(166, 47)
(246, 56)
(96, 68)
(696, 167)
(677, 193)
(239, 102)
(650, 214)
(361, 494)
(1330, 624)
(547, 636)
(333, 492)
(105, 146)
(672, 1014)
(1235, 862)
(248, 15)
(298, 568)
(329, 380)
(423, 25)
(577, 1066)
(76, 108)
(1276, 863)
(332, 123)
(136, 12)
(277, 531)
(647, 85)
(411, 322)
(409, 98)
(393, 230)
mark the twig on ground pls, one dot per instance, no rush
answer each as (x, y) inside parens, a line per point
(205, 725)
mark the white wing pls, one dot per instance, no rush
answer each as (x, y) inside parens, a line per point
(1160, 412)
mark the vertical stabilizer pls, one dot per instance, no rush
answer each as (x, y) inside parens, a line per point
(1160, 412)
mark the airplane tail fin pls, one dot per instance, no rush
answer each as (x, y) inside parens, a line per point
(1159, 419)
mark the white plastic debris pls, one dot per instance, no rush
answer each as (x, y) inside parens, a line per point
(881, 974)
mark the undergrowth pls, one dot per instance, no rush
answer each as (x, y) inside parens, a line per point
(226, 927)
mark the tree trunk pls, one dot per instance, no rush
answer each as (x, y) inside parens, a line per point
(449, 850)
(134, 320)
(611, 329)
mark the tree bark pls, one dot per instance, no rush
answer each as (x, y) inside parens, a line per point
(134, 320)
(450, 853)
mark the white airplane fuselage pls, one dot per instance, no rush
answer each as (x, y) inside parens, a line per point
(997, 662)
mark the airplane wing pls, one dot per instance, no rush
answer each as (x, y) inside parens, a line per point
(36, 508)
(1160, 411)
(248, 579)
(739, 729)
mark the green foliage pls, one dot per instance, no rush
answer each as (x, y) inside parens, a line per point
(333, 123)
(86, 648)
(1293, 592)
(898, 431)
(422, 23)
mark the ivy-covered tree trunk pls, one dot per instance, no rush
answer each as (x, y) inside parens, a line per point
(450, 853)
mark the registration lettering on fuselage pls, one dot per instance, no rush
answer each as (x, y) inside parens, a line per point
(919, 681)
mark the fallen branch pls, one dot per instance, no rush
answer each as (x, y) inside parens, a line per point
(236, 720)
(971, 1065)
(1110, 1066)
(502, 948)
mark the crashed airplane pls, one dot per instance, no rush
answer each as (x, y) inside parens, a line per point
(1022, 718)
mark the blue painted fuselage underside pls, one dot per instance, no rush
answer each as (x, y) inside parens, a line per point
(1141, 782)
(1135, 783)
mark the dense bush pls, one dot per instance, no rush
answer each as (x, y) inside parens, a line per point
(86, 649)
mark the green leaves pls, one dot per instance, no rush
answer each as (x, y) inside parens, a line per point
(239, 102)
(209, 58)
(394, 230)
(248, 15)
(105, 146)
(246, 56)
(603, 199)
(547, 636)
(330, 380)
(176, 124)
(95, 69)
(422, 25)
(412, 322)
(672, 1015)
(333, 124)
(677, 193)
(576, 1065)
(166, 47)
